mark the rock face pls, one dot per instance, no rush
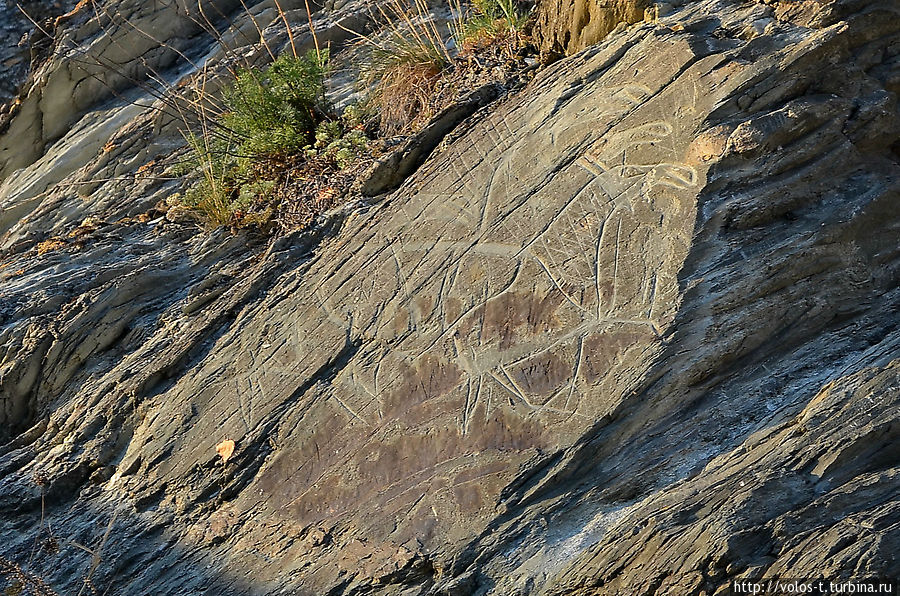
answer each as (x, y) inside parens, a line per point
(568, 26)
(20, 38)
(632, 330)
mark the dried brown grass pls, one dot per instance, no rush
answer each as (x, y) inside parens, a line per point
(22, 582)
(404, 95)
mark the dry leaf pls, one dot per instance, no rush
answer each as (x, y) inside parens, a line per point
(225, 449)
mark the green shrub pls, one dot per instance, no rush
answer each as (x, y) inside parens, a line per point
(274, 111)
(334, 140)
(359, 115)
(270, 114)
(252, 192)
(274, 119)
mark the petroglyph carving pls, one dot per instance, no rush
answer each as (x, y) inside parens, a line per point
(600, 253)
(631, 95)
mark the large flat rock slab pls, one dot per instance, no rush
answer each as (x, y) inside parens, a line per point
(640, 310)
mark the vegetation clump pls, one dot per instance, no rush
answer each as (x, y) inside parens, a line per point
(277, 154)
(276, 131)
(335, 141)
(273, 112)
(409, 65)
(493, 21)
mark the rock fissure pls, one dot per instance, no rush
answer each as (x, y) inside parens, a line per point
(627, 329)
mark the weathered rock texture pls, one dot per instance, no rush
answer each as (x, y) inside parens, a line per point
(568, 26)
(22, 39)
(632, 331)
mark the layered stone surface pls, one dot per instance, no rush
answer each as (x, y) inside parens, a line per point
(632, 330)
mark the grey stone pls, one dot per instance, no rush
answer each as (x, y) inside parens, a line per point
(630, 330)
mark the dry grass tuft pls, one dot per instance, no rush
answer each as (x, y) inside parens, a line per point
(405, 62)
(404, 95)
(413, 64)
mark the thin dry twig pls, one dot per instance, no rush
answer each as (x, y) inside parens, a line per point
(26, 580)
(96, 557)
(290, 33)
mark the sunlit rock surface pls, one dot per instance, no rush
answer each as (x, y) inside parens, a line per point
(632, 330)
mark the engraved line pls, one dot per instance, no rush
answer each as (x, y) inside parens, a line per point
(556, 283)
(577, 371)
(615, 269)
(349, 409)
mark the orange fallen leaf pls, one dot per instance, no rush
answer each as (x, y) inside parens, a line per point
(225, 449)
